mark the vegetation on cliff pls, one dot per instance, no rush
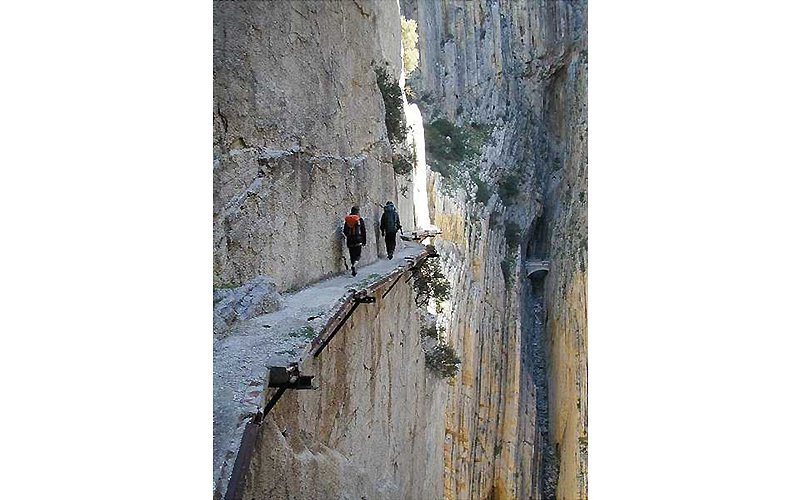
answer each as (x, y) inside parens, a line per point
(513, 235)
(403, 157)
(442, 360)
(454, 152)
(447, 144)
(430, 283)
(393, 102)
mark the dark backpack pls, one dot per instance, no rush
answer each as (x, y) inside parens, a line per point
(391, 220)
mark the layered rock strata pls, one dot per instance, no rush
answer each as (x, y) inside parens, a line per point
(516, 420)
(299, 137)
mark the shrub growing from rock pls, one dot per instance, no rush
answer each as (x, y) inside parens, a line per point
(508, 188)
(393, 102)
(442, 360)
(513, 236)
(403, 160)
(430, 283)
(507, 266)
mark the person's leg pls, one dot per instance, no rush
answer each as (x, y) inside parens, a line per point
(391, 242)
(355, 256)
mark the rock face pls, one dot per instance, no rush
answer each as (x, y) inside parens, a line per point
(256, 297)
(299, 135)
(516, 421)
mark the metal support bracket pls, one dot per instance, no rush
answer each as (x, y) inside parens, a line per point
(289, 378)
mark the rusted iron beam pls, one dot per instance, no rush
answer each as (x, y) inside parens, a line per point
(336, 330)
(361, 297)
(392, 286)
(273, 400)
(236, 484)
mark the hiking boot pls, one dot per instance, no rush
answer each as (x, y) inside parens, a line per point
(354, 271)
(390, 256)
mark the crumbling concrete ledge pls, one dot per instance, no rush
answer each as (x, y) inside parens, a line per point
(244, 354)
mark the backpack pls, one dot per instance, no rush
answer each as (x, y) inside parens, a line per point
(351, 228)
(391, 220)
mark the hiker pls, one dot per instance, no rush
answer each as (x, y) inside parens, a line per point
(390, 224)
(356, 234)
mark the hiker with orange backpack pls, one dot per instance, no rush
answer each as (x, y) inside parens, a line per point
(356, 234)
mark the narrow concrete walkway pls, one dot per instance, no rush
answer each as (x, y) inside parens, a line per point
(243, 355)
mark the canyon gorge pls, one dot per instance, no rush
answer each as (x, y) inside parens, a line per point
(494, 167)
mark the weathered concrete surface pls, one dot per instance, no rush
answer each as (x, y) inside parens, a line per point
(299, 135)
(243, 354)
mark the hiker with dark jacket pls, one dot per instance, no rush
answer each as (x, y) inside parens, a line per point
(356, 234)
(390, 224)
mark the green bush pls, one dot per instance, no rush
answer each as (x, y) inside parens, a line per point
(430, 283)
(447, 142)
(403, 160)
(508, 187)
(431, 330)
(453, 152)
(442, 360)
(393, 102)
(513, 236)
(507, 266)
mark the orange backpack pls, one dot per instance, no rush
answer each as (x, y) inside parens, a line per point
(351, 227)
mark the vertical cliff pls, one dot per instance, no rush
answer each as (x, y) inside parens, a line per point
(300, 136)
(516, 419)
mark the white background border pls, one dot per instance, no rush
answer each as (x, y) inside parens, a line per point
(106, 209)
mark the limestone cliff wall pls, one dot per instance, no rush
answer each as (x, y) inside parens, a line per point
(372, 430)
(489, 447)
(516, 418)
(299, 134)
(299, 137)
(566, 287)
